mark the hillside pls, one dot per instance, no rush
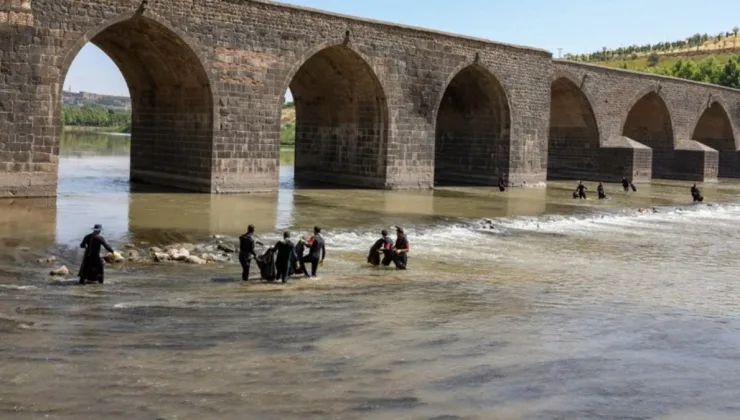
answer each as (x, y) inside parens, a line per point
(704, 58)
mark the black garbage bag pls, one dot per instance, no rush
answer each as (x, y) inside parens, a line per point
(266, 264)
(373, 257)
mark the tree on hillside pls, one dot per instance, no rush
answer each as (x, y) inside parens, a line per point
(653, 59)
(730, 76)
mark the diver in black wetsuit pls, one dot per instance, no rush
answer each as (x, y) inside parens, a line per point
(401, 249)
(625, 183)
(246, 251)
(316, 253)
(384, 245)
(91, 268)
(285, 258)
(501, 184)
(600, 191)
(696, 194)
(580, 191)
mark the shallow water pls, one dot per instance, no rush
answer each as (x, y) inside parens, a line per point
(566, 309)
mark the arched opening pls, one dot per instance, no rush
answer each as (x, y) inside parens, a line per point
(171, 103)
(649, 123)
(573, 149)
(340, 121)
(715, 130)
(472, 130)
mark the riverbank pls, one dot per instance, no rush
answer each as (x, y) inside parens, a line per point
(101, 130)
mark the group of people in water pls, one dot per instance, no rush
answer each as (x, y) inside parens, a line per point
(287, 258)
(580, 191)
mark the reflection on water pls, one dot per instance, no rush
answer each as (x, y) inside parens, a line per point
(556, 309)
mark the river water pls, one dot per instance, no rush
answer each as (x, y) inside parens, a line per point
(565, 309)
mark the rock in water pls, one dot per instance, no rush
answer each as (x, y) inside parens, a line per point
(179, 254)
(227, 248)
(192, 259)
(113, 258)
(132, 255)
(62, 271)
(47, 260)
(161, 256)
(155, 249)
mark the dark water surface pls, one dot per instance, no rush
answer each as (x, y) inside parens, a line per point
(566, 310)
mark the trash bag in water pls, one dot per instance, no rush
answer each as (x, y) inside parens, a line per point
(374, 256)
(266, 264)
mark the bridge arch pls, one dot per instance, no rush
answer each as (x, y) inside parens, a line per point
(341, 132)
(649, 122)
(714, 129)
(172, 102)
(472, 129)
(574, 139)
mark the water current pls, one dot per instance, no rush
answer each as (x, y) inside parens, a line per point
(555, 309)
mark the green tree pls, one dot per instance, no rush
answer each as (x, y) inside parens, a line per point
(653, 59)
(730, 75)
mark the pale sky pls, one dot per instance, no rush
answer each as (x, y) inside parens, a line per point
(576, 26)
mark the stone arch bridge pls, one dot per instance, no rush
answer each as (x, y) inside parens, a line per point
(378, 105)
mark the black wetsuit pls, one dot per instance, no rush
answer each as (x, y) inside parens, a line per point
(316, 254)
(581, 190)
(600, 191)
(246, 253)
(696, 194)
(285, 258)
(401, 260)
(92, 265)
(625, 184)
(382, 244)
(300, 249)
(501, 185)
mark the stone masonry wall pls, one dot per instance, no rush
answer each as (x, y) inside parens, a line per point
(207, 79)
(613, 93)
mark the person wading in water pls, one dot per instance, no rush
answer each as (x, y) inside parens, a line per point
(580, 191)
(286, 257)
(600, 191)
(401, 249)
(92, 265)
(246, 251)
(316, 253)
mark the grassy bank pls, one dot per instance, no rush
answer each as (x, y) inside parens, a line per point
(88, 129)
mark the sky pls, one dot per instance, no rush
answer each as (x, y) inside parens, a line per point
(576, 26)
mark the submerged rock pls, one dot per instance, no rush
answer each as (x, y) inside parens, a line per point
(192, 259)
(47, 260)
(62, 271)
(155, 249)
(161, 256)
(132, 255)
(179, 254)
(227, 248)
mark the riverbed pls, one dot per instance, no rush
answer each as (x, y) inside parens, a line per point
(525, 304)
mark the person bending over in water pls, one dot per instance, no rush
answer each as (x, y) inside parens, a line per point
(625, 184)
(696, 194)
(92, 265)
(501, 184)
(316, 253)
(246, 251)
(285, 258)
(580, 191)
(401, 249)
(383, 246)
(600, 191)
